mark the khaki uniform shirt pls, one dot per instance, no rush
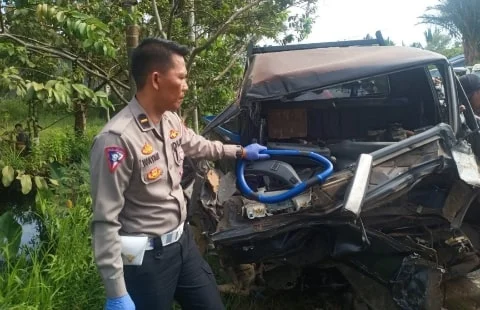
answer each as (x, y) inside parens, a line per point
(136, 168)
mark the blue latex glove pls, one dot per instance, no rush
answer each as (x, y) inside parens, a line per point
(252, 152)
(120, 303)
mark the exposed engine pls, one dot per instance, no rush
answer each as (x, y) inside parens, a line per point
(342, 153)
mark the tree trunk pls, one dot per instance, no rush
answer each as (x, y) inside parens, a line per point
(191, 36)
(36, 129)
(30, 117)
(80, 126)
(132, 34)
(471, 52)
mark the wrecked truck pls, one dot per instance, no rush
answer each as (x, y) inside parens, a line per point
(372, 180)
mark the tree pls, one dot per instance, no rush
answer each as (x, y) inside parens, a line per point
(436, 40)
(417, 45)
(61, 51)
(222, 35)
(387, 40)
(461, 19)
(441, 43)
(65, 33)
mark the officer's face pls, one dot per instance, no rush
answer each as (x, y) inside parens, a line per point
(475, 102)
(171, 86)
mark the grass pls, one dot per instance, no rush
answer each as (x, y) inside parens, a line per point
(58, 274)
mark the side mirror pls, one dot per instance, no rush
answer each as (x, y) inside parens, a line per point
(358, 187)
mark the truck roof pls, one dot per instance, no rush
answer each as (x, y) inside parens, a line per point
(275, 74)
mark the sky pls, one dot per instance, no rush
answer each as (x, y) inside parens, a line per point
(353, 19)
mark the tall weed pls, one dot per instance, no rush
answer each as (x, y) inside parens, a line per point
(60, 273)
(60, 146)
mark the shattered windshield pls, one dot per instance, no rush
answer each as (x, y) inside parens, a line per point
(371, 87)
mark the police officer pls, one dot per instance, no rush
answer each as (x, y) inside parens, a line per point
(144, 249)
(471, 84)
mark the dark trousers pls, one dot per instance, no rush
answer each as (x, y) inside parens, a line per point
(176, 271)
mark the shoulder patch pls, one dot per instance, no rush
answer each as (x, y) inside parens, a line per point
(143, 120)
(115, 155)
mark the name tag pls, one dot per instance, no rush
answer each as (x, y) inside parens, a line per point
(133, 249)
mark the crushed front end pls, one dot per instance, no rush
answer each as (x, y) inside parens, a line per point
(396, 217)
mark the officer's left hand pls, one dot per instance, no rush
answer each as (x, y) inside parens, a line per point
(252, 152)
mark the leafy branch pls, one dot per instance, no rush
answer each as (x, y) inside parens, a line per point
(170, 18)
(221, 30)
(158, 20)
(233, 61)
(81, 62)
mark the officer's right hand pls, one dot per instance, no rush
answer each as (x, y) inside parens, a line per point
(120, 303)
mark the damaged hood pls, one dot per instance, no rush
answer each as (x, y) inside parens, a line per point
(274, 75)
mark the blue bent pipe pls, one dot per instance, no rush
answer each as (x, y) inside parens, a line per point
(297, 189)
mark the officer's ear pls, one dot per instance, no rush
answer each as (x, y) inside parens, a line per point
(156, 80)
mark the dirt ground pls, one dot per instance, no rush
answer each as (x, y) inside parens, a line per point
(459, 294)
(463, 293)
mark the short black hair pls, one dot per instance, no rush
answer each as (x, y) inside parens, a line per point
(18, 125)
(154, 54)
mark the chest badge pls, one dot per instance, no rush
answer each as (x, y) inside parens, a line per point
(155, 173)
(147, 149)
(173, 134)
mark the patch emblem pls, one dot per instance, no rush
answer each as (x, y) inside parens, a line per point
(154, 173)
(173, 134)
(147, 149)
(115, 155)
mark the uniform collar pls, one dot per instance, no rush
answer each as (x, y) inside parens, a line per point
(140, 116)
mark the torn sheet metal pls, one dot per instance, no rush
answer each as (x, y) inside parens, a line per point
(227, 187)
(467, 163)
(214, 180)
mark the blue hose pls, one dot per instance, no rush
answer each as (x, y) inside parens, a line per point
(297, 189)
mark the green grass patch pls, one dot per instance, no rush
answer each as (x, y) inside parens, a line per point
(58, 274)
